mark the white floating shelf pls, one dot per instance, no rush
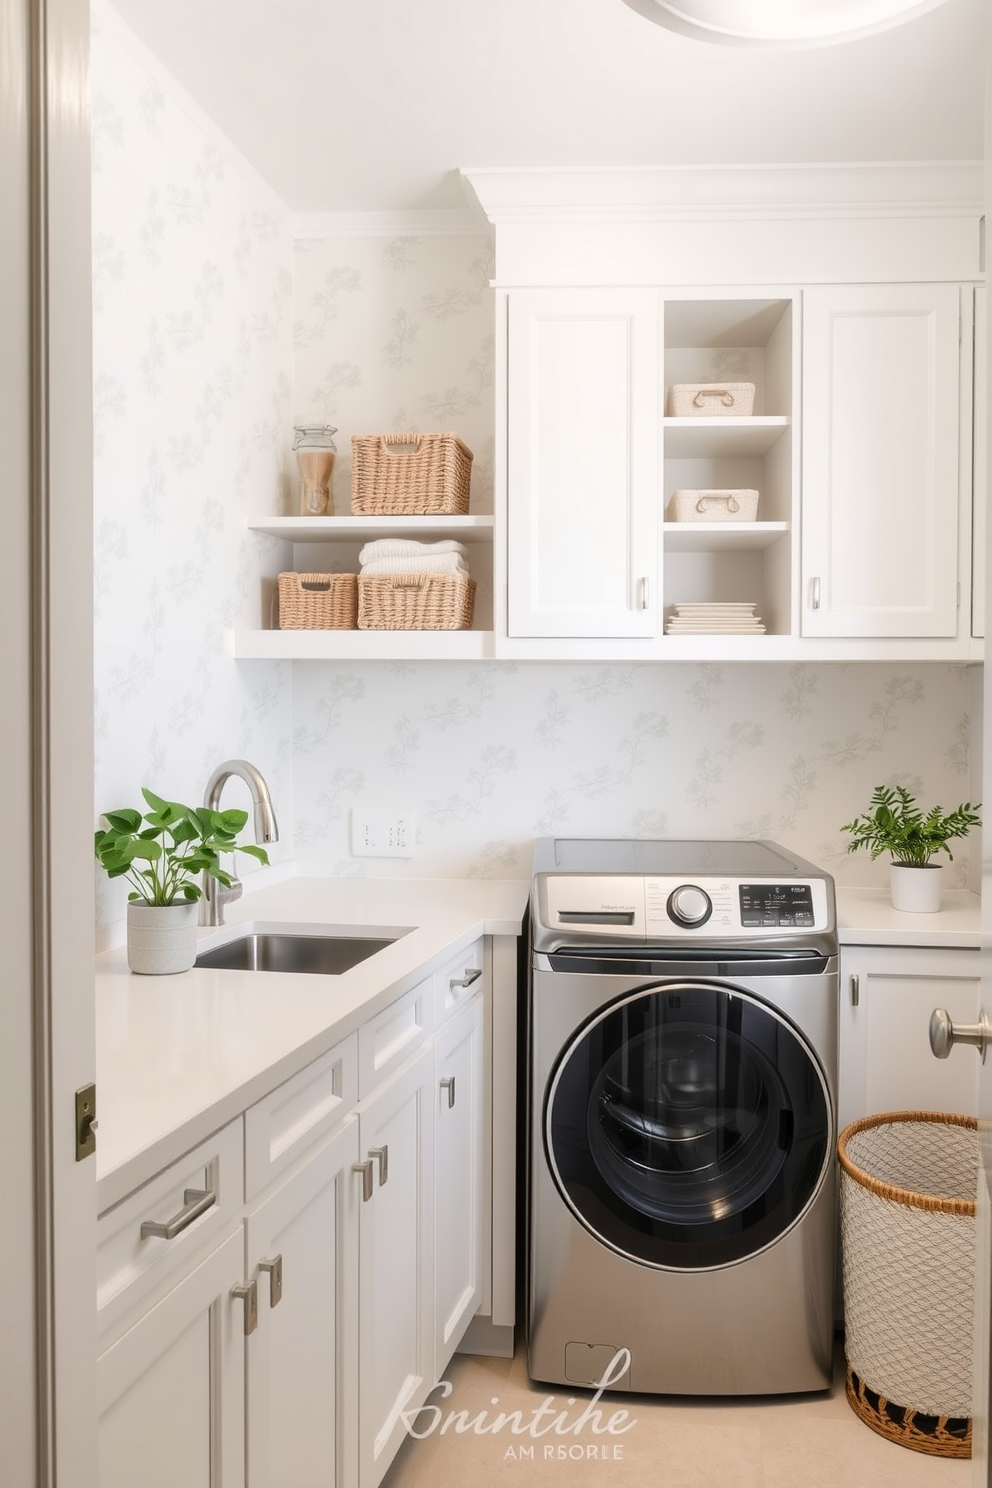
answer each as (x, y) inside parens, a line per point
(688, 438)
(368, 529)
(722, 537)
(363, 645)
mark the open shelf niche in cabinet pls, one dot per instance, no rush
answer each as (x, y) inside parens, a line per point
(734, 340)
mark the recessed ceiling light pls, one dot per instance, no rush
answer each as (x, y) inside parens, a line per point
(780, 23)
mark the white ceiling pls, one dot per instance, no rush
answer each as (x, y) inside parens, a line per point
(372, 105)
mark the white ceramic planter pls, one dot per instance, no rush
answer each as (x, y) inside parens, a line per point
(161, 938)
(916, 890)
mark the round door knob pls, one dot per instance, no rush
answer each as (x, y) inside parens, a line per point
(689, 905)
(944, 1033)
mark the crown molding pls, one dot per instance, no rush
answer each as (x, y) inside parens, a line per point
(882, 189)
(460, 222)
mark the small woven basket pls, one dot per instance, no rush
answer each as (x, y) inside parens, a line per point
(710, 400)
(908, 1239)
(415, 602)
(712, 506)
(317, 601)
(412, 475)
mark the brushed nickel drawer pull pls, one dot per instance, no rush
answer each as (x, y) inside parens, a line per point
(196, 1201)
(365, 1168)
(472, 974)
(274, 1269)
(448, 1084)
(248, 1294)
(382, 1153)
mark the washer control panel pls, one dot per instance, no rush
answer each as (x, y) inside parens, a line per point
(663, 906)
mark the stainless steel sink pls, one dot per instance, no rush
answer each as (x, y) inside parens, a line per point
(325, 955)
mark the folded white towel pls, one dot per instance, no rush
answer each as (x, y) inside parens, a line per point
(443, 563)
(401, 547)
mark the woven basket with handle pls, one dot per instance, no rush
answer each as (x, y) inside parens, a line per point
(415, 602)
(317, 601)
(410, 475)
(908, 1181)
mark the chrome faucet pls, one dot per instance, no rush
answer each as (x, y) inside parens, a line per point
(215, 894)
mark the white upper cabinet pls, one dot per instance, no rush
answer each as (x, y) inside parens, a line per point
(583, 419)
(881, 442)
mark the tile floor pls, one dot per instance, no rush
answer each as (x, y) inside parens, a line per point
(805, 1441)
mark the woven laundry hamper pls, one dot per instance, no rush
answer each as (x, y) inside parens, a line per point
(908, 1236)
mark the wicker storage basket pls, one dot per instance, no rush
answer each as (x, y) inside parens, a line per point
(410, 475)
(317, 601)
(712, 506)
(710, 400)
(415, 602)
(908, 1237)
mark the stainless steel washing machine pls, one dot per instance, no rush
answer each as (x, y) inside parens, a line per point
(682, 1048)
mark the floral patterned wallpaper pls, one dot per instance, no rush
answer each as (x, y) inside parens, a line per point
(490, 757)
(192, 387)
(214, 334)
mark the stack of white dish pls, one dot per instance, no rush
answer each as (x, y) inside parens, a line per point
(714, 618)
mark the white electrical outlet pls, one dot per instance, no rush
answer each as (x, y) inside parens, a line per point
(382, 833)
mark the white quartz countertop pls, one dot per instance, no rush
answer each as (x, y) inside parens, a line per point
(866, 917)
(178, 1056)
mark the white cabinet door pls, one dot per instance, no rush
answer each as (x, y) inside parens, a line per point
(459, 1168)
(887, 994)
(396, 1264)
(880, 460)
(302, 1389)
(583, 421)
(171, 1389)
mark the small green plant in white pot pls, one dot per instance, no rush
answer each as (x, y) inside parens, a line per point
(162, 855)
(912, 837)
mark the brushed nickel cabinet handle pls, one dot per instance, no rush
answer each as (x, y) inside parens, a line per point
(365, 1168)
(815, 594)
(248, 1294)
(855, 990)
(274, 1271)
(472, 974)
(382, 1153)
(196, 1201)
(448, 1084)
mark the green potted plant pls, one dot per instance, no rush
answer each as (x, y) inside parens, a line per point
(894, 824)
(162, 855)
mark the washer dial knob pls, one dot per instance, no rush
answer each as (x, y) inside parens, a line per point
(689, 906)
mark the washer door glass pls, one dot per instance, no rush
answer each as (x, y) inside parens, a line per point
(688, 1126)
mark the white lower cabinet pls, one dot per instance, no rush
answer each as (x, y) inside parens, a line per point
(170, 1389)
(311, 1267)
(459, 1168)
(396, 1276)
(887, 994)
(302, 1258)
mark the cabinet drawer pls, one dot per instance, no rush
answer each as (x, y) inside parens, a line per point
(459, 980)
(280, 1126)
(196, 1198)
(386, 1040)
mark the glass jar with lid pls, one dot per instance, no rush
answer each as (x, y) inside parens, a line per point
(315, 456)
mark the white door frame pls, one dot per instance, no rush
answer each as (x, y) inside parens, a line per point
(47, 1241)
(982, 1405)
